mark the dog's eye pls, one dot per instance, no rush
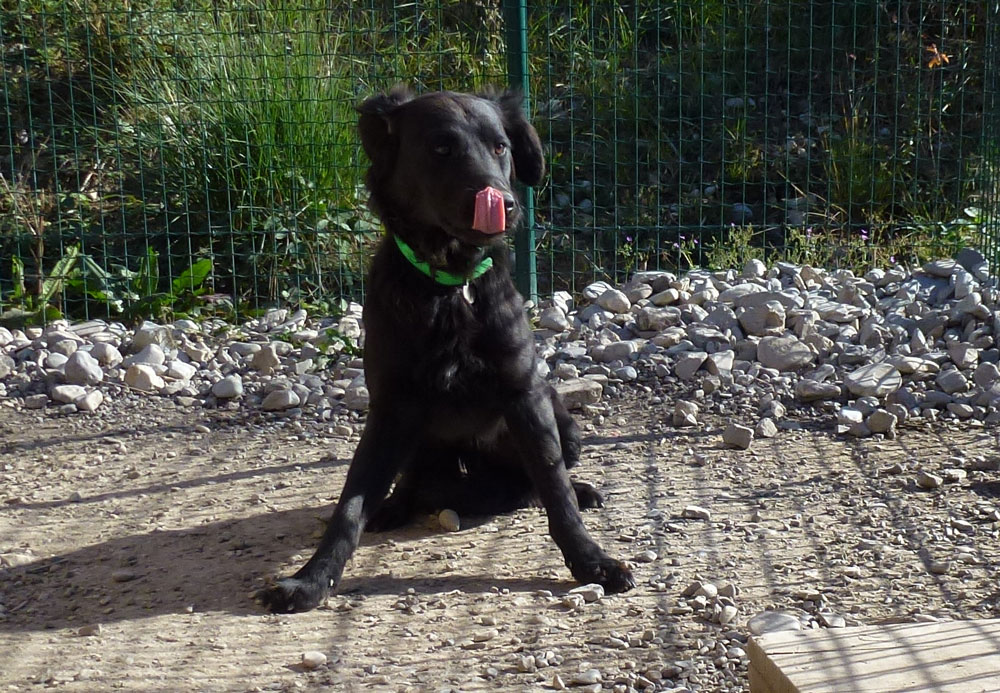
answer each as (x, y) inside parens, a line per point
(500, 148)
(442, 150)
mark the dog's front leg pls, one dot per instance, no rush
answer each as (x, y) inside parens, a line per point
(383, 448)
(535, 434)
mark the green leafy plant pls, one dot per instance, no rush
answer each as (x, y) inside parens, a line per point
(184, 299)
(735, 247)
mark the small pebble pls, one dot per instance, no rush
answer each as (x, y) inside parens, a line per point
(313, 659)
(449, 521)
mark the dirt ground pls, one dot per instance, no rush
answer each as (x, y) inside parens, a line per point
(132, 542)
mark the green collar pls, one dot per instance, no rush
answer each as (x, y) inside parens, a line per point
(440, 276)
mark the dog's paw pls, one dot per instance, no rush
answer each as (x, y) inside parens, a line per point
(587, 496)
(390, 515)
(289, 595)
(613, 575)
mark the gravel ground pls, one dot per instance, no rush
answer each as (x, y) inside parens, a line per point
(780, 447)
(133, 538)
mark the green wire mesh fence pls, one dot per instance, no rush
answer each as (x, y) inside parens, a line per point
(168, 157)
(837, 134)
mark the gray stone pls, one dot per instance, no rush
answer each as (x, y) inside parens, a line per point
(151, 355)
(313, 659)
(720, 361)
(67, 394)
(244, 349)
(142, 377)
(963, 355)
(449, 520)
(107, 354)
(229, 387)
(280, 400)
(960, 410)
(637, 292)
(90, 401)
(951, 381)
(940, 268)
(688, 363)
(696, 512)
(881, 421)
(36, 401)
(592, 592)
(553, 318)
(588, 677)
(807, 390)
(848, 416)
(969, 258)
(685, 414)
(985, 375)
(784, 353)
(964, 283)
(766, 428)
(666, 297)
(593, 291)
(614, 301)
(829, 620)
(754, 268)
(763, 320)
(654, 319)
(579, 392)
(83, 369)
(55, 360)
(970, 305)
(626, 373)
(737, 292)
(621, 351)
(7, 365)
(149, 333)
(876, 380)
(706, 337)
(66, 347)
(737, 436)
(928, 480)
(357, 397)
(179, 370)
(266, 359)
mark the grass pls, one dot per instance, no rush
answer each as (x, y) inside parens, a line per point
(247, 143)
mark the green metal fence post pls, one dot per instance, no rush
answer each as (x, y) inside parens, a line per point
(515, 14)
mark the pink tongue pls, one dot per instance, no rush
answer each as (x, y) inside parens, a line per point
(489, 216)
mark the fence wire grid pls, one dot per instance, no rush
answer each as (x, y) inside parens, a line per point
(181, 157)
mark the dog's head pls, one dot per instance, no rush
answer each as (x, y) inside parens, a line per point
(432, 155)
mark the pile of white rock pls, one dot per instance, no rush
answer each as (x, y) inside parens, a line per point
(281, 362)
(874, 350)
(870, 352)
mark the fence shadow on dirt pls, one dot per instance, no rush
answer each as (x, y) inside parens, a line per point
(215, 567)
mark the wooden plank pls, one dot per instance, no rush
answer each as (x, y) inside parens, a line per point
(944, 657)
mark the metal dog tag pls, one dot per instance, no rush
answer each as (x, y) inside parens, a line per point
(467, 294)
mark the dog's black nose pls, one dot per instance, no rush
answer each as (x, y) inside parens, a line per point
(508, 203)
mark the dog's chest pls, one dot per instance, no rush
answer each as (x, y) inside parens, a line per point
(466, 349)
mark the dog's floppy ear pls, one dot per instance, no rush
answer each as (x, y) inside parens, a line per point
(526, 148)
(375, 123)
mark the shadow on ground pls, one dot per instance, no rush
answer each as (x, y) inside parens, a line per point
(216, 567)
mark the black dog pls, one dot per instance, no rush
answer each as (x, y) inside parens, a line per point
(459, 417)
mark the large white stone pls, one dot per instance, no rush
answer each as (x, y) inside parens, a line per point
(83, 369)
(875, 380)
(784, 353)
